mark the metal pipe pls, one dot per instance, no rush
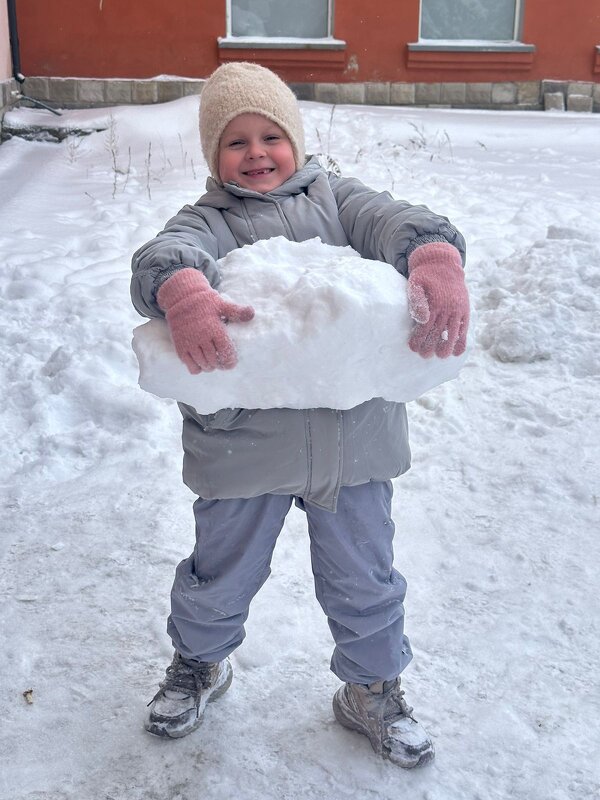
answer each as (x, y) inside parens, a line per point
(15, 55)
(14, 42)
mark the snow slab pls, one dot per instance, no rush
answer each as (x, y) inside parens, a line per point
(330, 330)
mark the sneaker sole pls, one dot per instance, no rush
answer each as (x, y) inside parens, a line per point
(159, 729)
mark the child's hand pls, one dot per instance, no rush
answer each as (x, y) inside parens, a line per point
(196, 315)
(437, 300)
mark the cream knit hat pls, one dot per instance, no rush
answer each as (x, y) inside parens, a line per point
(245, 88)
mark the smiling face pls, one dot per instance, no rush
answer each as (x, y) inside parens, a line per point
(255, 153)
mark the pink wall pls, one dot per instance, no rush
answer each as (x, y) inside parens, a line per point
(5, 63)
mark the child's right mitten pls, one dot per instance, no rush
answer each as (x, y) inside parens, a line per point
(196, 315)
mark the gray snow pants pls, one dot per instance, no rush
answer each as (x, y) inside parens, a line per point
(356, 585)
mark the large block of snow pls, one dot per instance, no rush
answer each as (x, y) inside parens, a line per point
(331, 330)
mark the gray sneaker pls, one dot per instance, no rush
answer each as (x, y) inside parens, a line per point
(380, 712)
(178, 707)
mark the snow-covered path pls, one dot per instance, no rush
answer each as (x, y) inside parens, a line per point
(497, 522)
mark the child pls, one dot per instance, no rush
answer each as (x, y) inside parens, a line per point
(248, 466)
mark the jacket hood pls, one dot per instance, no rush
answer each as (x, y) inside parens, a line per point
(218, 196)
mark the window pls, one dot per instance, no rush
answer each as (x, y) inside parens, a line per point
(310, 19)
(282, 33)
(470, 20)
(471, 35)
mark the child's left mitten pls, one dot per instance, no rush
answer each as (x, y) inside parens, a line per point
(438, 300)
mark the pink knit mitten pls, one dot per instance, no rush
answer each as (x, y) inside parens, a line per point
(437, 300)
(196, 315)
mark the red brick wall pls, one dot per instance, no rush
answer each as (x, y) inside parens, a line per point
(119, 38)
(566, 33)
(144, 38)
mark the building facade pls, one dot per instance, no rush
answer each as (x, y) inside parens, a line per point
(469, 53)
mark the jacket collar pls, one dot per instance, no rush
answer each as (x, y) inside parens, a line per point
(219, 196)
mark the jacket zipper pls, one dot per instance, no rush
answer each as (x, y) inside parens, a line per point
(249, 223)
(286, 222)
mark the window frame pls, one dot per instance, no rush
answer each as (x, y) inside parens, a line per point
(327, 42)
(516, 43)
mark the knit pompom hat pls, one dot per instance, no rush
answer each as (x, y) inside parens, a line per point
(244, 88)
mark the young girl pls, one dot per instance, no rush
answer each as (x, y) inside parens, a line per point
(248, 466)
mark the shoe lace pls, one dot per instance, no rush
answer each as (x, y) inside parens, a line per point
(396, 706)
(184, 677)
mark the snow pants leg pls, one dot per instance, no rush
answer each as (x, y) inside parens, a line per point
(231, 561)
(356, 584)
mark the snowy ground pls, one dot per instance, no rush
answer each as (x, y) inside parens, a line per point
(497, 522)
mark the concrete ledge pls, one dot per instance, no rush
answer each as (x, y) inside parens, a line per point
(50, 132)
(578, 96)
(377, 94)
(326, 93)
(453, 93)
(303, 91)
(402, 94)
(553, 87)
(8, 92)
(580, 87)
(524, 95)
(100, 92)
(427, 94)
(554, 101)
(529, 93)
(504, 93)
(7, 88)
(479, 95)
(580, 102)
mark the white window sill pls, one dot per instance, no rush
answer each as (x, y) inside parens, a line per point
(470, 45)
(279, 43)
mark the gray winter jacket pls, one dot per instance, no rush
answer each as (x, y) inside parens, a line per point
(311, 453)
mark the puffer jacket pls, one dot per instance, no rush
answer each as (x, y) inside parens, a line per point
(310, 453)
